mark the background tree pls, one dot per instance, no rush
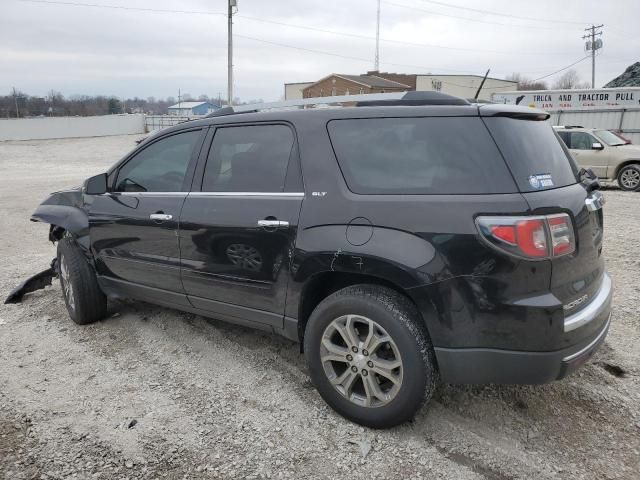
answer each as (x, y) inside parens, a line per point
(525, 83)
(570, 80)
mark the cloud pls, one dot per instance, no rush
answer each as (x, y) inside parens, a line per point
(89, 50)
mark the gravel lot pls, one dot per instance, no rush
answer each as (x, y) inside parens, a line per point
(155, 393)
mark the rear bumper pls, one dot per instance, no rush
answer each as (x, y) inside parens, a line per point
(484, 365)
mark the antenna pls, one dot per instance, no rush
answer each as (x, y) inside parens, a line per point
(482, 84)
(376, 61)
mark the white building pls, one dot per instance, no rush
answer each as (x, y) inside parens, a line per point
(464, 86)
(188, 109)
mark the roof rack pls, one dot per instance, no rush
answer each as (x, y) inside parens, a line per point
(363, 100)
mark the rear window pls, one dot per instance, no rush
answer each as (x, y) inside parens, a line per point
(437, 155)
(535, 154)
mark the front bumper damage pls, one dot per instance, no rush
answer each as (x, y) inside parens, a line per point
(36, 282)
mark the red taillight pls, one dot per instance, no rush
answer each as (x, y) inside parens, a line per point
(530, 237)
(561, 232)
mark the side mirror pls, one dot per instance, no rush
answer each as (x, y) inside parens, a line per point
(597, 146)
(96, 185)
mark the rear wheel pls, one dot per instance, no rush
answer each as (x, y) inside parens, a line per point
(369, 355)
(629, 177)
(85, 301)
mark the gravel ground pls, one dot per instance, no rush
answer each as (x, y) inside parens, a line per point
(155, 393)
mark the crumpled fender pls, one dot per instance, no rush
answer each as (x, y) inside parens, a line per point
(63, 210)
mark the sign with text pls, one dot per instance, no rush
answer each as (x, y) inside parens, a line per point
(569, 99)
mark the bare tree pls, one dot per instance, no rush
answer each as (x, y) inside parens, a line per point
(525, 83)
(569, 80)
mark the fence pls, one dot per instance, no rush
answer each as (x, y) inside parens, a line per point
(40, 128)
(157, 122)
(624, 120)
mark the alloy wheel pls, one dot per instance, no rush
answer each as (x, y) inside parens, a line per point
(67, 287)
(630, 178)
(361, 361)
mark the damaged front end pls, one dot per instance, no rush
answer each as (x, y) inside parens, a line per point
(36, 282)
(65, 212)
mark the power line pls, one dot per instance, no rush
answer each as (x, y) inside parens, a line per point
(561, 70)
(332, 54)
(500, 14)
(203, 12)
(419, 9)
(398, 42)
(285, 24)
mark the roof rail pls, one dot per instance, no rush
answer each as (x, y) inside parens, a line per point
(362, 100)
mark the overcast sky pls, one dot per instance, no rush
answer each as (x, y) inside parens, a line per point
(114, 51)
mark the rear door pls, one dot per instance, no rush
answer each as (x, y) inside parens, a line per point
(134, 227)
(581, 146)
(547, 177)
(239, 224)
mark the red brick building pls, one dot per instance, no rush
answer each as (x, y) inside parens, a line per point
(371, 82)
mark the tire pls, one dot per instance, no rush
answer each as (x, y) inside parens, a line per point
(381, 310)
(84, 300)
(629, 177)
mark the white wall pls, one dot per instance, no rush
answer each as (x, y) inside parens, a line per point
(69, 127)
(293, 91)
(464, 86)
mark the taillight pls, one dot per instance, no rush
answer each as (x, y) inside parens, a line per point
(536, 237)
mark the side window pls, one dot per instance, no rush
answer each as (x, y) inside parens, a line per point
(161, 167)
(581, 141)
(565, 138)
(248, 159)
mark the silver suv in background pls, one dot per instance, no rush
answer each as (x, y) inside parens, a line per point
(608, 155)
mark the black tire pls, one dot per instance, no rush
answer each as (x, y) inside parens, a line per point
(629, 177)
(86, 303)
(399, 317)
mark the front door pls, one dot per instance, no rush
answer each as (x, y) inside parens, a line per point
(581, 146)
(238, 229)
(134, 228)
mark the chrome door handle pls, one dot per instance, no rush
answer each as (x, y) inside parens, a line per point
(273, 223)
(160, 216)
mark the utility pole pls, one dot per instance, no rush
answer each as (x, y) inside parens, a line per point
(179, 103)
(593, 45)
(232, 4)
(376, 62)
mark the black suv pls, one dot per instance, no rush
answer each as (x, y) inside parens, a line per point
(398, 241)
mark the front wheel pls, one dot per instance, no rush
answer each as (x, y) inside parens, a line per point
(86, 303)
(629, 177)
(369, 355)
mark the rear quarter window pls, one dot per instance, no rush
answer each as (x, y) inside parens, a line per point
(434, 155)
(536, 156)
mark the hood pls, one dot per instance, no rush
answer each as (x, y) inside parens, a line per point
(629, 149)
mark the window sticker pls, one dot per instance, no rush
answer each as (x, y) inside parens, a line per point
(541, 180)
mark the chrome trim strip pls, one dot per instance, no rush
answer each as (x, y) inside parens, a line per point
(247, 194)
(210, 194)
(149, 194)
(593, 309)
(590, 346)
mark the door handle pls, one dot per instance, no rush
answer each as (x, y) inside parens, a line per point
(273, 223)
(161, 217)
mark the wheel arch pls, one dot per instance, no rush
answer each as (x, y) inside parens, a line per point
(322, 284)
(625, 163)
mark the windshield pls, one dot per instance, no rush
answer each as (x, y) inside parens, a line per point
(609, 138)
